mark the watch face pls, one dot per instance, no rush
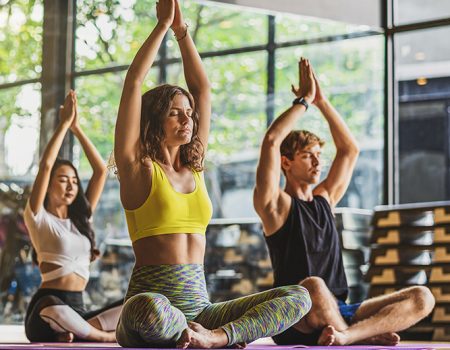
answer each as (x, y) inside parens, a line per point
(300, 101)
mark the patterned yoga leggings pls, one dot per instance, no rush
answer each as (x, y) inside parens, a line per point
(162, 299)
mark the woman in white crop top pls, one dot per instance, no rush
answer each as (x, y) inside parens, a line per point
(57, 216)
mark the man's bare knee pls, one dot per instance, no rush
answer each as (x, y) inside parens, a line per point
(321, 296)
(316, 287)
(324, 306)
(423, 300)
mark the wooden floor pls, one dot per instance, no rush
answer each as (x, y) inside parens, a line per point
(12, 334)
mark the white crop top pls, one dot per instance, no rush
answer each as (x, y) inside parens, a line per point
(58, 241)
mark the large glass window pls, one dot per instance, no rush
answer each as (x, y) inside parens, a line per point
(110, 32)
(423, 75)
(19, 130)
(20, 60)
(20, 40)
(220, 27)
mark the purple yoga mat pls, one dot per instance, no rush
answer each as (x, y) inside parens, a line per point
(65, 346)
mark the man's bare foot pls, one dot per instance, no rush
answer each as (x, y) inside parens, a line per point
(390, 339)
(330, 336)
(66, 337)
(197, 336)
(197, 327)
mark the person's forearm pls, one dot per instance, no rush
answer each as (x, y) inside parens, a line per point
(342, 136)
(92, 154)
(194, 71)
(146, 55)
(51, 150)
(284, 124)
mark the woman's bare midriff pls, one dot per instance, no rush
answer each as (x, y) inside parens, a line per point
(170, 249)
(71, 282)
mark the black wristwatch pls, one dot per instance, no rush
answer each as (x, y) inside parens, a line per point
(300, 101)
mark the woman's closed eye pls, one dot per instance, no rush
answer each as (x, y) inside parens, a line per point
(176, 112)
(66, 180)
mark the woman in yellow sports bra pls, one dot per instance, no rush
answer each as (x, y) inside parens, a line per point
(160, 143)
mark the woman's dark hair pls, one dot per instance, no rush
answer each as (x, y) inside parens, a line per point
(155, 107)
(79, 212)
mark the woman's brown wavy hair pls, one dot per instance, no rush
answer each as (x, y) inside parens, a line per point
(155, 108)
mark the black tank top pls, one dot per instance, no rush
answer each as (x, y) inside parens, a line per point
(307, 245)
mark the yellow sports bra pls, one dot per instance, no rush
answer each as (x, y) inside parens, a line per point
(168, 211)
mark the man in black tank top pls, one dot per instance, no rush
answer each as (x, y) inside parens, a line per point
(301, 233)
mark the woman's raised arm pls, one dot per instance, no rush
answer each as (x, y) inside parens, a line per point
(99, 170)
(126, 146)
(195, 74)
(40, 186)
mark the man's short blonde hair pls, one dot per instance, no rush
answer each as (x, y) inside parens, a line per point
(298, 140)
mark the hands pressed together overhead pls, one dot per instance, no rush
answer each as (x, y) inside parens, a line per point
(309, 87)
(169, 14)
(68, 112)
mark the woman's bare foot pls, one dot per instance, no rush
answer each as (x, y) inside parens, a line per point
(66, 337)
(330, 336)
(196, 336)
(197, 327)
(110, 337)
(389, 339)
(98, 335)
